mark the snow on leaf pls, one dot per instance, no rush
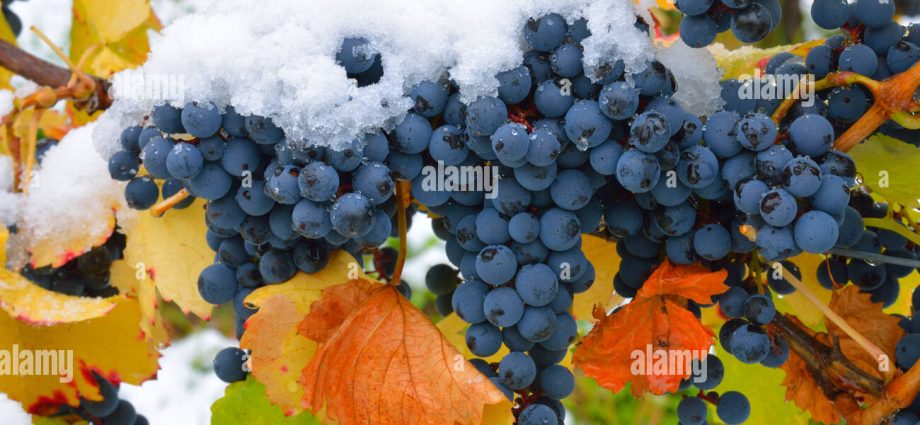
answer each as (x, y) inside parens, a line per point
(173, 251)
(622, 340)
(245, 403)
(33, 304)
(278, 351)
(388, 364)
(656, 319)
(742, 61)
(110, 345)
(603, 256)
(888, 167)
(693, 282)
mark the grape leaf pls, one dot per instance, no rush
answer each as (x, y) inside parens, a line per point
(743, 60)
(173, 251)
(278, 352)
(245, 403)
(118, 29)
(6, 34)
(603, 256)
(656, 319)
(387, 363)
(110, 345)
(796, 303)
(30, 303)
(767, 397)
(889, 167)
(867, 318)
(124, 277)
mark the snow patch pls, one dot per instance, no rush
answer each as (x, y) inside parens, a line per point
(12, 413)
(288, 71)
(697, 75)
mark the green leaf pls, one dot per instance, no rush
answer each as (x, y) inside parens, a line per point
(889, 167)
(245, 403)
(763, 387)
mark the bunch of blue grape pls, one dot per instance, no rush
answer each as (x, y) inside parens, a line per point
(111, 410)
(87, 275)
(732, 407)
(749, 20)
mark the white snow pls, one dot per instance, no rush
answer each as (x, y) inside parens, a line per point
(278, 59)
(697, 76)
(6, 102)
(12, 413)
(71, 194)
(186, 385)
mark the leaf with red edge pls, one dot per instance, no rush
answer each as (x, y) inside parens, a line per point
(386, 363)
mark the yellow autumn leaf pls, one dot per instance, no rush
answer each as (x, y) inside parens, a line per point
(125, 278)
(278, 352)
(742, 61)
(888, 167)
(6, 34)
(117, 29)
(173, 251)
(110, 345)
(603, 256)
(33, 304)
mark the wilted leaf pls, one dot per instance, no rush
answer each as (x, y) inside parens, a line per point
(867, 318)
(110, 345)
(802, 389)
(245, 403)
(33, 304)
(387, 364)
(888, 167)
(692, 282)
(603, 256)
(173, 251)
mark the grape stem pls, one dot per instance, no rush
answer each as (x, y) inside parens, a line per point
(892, 99)
(899, 393)
(403, 199)
(831, 315)
(876, 258)
(160, 208)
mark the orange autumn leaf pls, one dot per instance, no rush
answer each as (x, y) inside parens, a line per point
(387, 364)
(338, 302)
(693, 282)
(656, 319)
(802, 390)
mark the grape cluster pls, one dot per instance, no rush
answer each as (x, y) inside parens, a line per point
(749, 20)
(87, 275)
(111, 410)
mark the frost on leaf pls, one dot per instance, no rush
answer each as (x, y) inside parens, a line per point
(867, 318)
(615, 352)
(278, 352)
(110, 345)
(387, 363)
(172, 251)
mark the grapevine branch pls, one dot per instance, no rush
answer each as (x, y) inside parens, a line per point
(892, 99)
(403, 199)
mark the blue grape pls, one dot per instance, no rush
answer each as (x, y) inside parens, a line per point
(650, 132)
(310, 219)
(496, 264)
(491, 227)
(123, 166)
(483, 339)
(677, 220)
(241, 156)
(738, 168)
(732, 301)
(441, 279)
(184, 161)
(776, 243)
(536, 284)
(510, 198)
(503, 307)
(816, 232)
(217, 284)
(201, 119)
(535, 178)
(802, 177)
(847, 104)
(866, 276)
(812, 135)
(429, 98)
(778, 207)
(517, 370)
(756, 132)
(263, 130)
(830, 14)
(874, 13)
(698, 31)
(355, 55)
(468, 299)
(348, 158)
(212, 148)
(553, 97)
(721, 134)
(691, 411)
(514, 84)
(351, 215)
(226, 212)
(571, 190)
(566, 60)
(559, 229)
(832, 197)
(624, 218)
(564, 334)
(907, 351)
(544, 148)
(818, 61)
(604, 158)
(448, 145)
(832, 271)
(618, 100)
(537, 414)
(154, 157)
(373, 181)
(276, 266)
(524, 227)
(282, 184)
(233, 123)
(858, 58)
(652, 80)
(405, 165)
(680, 249)
(484, 115)
(510, 143)
(213, 182)
(310, 256)
(232, 253)
(557, 382)
(537, 324)
(697, 167)
(750, 344)
(514, 340)
(770, 163)
(167, 119)
(173, 186)
(546, 33)
(637, 171)
(759, 309)
(141, 193)
(130, 139)
(413, 134)
(712, 242)
(752, 23)
(733, 407)
(318, 182)
(902, 56)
